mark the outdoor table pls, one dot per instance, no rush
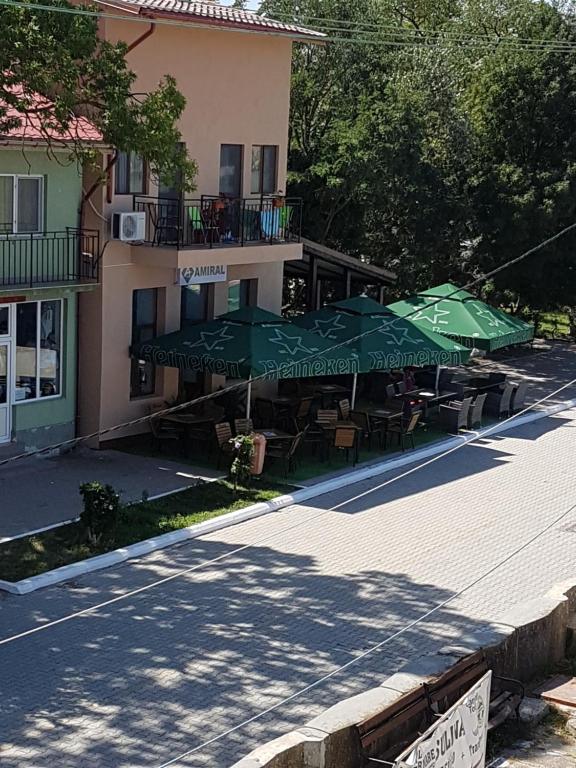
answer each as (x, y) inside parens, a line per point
(329, 425)
(195, 427)
(383, 414)
(188, 419)
(274, 434)
(328, 392)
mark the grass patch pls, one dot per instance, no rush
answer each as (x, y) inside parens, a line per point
(32, 555)
(554, 325)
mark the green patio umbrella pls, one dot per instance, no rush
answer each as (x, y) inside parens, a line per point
(457, 314)
(381, 340)
(246, 343)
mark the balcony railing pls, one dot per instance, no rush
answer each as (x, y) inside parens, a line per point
(70, 256)
(212, 222)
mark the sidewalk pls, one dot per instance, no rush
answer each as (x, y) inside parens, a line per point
(39, 492)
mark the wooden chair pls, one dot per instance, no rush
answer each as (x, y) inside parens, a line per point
(404, 429)
(285, 451)
(166, 432)
(243, 426)
(346, 439)
(344, 409)
(326, 415)
(223, 438)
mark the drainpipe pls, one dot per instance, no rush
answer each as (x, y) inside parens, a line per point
(150, 31)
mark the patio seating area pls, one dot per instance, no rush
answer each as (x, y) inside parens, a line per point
(311, 429)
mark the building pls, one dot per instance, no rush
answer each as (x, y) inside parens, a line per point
(222, 247)
(45, 263)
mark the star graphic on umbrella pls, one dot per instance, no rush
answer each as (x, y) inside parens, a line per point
(432, 315)
(325, 328)
(485, 314)
(291, 344)
(398, 333)
(210, 340)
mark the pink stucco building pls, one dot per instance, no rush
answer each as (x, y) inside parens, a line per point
(219, 248)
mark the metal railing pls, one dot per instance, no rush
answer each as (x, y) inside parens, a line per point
(70, 256)
(212, 222)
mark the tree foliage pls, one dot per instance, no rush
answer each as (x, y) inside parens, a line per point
(447, 154)
(60, 56)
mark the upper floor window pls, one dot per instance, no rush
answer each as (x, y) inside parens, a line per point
(130, 174)
(231, 170)
(264, 168)
(21, 204)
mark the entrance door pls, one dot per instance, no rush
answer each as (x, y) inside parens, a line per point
(5, 405)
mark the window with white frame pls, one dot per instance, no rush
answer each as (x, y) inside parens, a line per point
(38, 350)
(21, 204)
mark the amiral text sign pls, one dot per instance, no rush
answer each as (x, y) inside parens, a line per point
(205, 273)
(458, 738)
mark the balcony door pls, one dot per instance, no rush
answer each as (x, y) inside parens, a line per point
(231, 170)
(5, 404)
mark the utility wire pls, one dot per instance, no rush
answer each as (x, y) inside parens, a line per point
(214, 395)
(183, 572)
(376, 647)
(533, 44)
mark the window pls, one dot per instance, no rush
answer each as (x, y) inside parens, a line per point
(21, 204)
(231, 170)
(4, 321)
(38, 350)
(144, 327)
(242, 293)
(194, 304)
(264, 165)
(130, 174)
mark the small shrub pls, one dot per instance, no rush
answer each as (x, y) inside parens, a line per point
(101, 511)
(242, 464)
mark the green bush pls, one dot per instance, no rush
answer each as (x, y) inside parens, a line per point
(101, 511)
(242, 464)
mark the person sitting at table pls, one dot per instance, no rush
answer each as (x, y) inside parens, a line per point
(408, 379)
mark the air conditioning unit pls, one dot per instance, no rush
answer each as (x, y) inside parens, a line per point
(129, 227)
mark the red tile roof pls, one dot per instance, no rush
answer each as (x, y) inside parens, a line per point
(33, 128)
(214, 14)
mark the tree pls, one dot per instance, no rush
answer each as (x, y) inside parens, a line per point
(59, 56)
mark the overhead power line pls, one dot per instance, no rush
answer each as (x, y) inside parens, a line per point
(266, 376)
(335, 31)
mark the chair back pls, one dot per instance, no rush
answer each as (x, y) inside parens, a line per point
(361, 420)
(465, 407)
(414, 419)
(477, 408)
(304, 407)
(295, 444)
(223, 433)
(344, 437)
(519, 395)
(506, 398)
(390, 391)
(243, 426)
(401, 387)
(324, 415)
(344, 408)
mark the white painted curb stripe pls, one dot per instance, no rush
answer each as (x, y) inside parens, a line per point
(68, 572)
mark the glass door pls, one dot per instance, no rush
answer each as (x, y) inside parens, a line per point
(5, 404)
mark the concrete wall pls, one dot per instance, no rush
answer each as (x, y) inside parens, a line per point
(521, 644)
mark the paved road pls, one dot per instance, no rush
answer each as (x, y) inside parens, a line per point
(146, 678)
(37, 492)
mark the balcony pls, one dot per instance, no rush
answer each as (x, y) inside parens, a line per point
(50, 258)
(212, 222)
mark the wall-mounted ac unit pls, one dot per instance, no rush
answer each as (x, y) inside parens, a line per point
(129, 227)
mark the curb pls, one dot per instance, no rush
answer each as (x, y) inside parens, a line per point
(117, 556)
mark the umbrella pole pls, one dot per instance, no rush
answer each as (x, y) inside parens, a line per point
(436, 386)
(354, 382)
(248, 397)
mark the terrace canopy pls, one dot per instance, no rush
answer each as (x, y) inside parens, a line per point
(459, 315)
(248, 343)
